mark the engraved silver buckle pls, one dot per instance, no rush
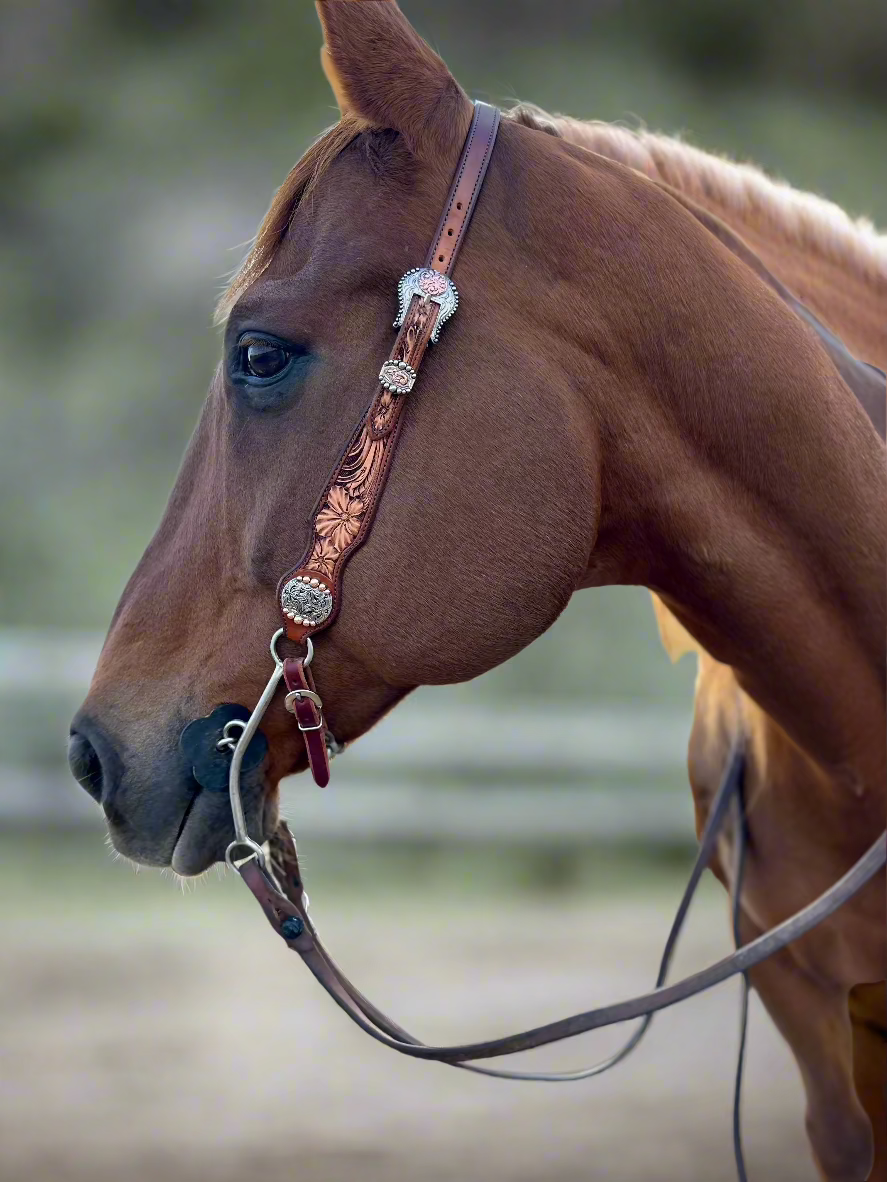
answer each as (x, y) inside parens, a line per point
(428, 284)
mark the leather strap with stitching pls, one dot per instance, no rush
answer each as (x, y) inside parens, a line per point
(348, 505)
(467, 183)
(302, 937)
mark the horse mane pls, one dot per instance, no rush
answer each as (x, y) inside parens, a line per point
(810, 222)
(743, 190)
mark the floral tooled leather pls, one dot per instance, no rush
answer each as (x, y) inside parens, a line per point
(339, 520)
(349, 502)
(427, 298)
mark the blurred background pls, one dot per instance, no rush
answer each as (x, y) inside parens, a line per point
(148, 1034)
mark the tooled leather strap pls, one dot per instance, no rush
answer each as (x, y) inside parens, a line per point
(310, 594)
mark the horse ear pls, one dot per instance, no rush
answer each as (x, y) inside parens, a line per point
(381, 70)
(332, 76)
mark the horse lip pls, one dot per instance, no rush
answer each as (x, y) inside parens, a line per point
(206, 830)
(184, 821)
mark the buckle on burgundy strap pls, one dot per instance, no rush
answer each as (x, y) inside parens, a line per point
(292, 700)
(304, 703)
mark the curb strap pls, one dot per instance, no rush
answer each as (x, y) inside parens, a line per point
(303, 701)
(309, 595)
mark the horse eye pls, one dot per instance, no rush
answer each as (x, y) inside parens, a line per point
(263, 359)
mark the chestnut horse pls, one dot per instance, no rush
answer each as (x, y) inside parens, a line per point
(623, 398)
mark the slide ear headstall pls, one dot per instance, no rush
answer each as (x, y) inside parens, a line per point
(310, 594)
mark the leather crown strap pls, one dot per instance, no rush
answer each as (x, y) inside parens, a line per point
(310, 594)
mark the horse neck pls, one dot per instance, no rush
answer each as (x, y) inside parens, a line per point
(753, 503)
(853, 303)
(851, 300)
(838, 270)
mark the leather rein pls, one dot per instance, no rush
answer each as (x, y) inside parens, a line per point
(310, 596)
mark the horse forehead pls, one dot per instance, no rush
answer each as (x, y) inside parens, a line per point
(341, 248)
(320, 265)
(352, 200)
(324, 273)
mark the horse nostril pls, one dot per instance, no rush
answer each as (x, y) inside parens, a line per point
(85, 765)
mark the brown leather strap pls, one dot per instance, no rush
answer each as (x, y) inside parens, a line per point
(466, 189)
(304, 703)
(310, 594)
(289, 918)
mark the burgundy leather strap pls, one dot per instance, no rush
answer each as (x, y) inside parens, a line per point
(302, 701)
(310, 593)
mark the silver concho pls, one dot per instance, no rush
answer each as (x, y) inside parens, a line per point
(306, 601)
(398, 377)
(428, 284)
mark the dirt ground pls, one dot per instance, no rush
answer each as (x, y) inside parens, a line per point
(170, 1038)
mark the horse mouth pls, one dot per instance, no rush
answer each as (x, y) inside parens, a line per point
(195, 836)
(207, 829)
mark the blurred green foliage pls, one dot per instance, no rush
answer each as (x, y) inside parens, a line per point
(140, 144)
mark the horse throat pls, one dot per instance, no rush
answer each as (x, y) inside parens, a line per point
(763, 594)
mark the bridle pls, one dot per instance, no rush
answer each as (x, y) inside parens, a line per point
(310, 596)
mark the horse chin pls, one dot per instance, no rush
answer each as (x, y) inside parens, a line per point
(206, 830)
(198, 836)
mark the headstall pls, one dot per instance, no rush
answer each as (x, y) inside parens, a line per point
(310, 596)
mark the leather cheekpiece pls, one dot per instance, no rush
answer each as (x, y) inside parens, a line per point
(356, 485)
(308, 715)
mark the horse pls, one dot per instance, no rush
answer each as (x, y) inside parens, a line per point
(622, 399)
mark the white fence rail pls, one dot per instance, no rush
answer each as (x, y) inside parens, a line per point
(431, 770)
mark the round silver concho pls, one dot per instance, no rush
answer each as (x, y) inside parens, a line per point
(306, 601)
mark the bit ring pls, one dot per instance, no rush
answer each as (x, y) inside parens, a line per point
(227, 741)
(309, 657)
(253, 846)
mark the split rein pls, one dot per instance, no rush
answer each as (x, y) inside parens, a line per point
(286, 908)
(310, 595)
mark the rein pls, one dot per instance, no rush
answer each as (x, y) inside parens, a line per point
(310, 596)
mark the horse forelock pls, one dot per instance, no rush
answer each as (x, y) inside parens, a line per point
(804, 219)
(299, 183)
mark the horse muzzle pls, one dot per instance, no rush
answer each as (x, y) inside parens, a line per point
(171, 808)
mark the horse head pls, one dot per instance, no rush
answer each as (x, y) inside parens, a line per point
(457, 574)
(584, 419)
